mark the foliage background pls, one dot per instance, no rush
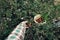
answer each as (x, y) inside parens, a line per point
(11, 12)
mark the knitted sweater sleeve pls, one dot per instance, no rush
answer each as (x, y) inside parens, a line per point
(18, 33)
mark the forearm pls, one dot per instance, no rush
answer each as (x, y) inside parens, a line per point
(18, 33)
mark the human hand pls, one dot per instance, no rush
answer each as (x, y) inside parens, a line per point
(26, 24)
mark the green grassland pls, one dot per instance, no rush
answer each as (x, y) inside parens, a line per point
(11, 12)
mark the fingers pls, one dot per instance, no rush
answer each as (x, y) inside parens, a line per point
(24, 22)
